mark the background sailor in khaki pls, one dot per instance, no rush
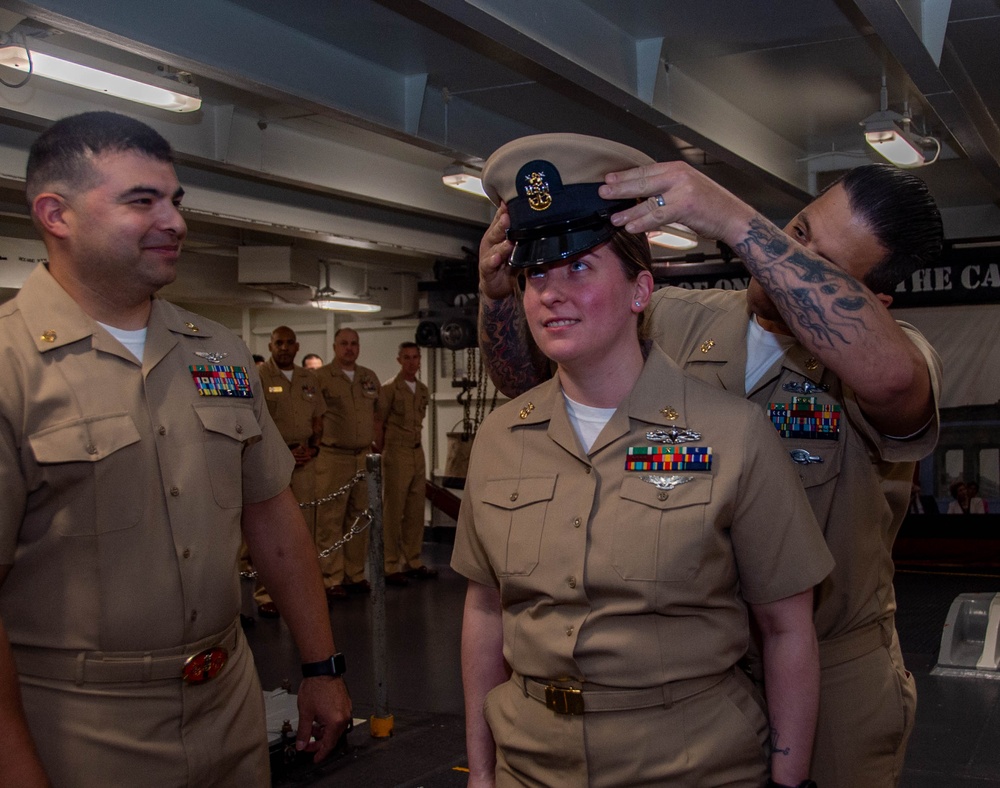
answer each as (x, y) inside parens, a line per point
(351, 431)
(135, 448)
(813, 323)
(295, 404)
(402, 408)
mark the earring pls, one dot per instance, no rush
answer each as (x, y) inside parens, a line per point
(637, 303)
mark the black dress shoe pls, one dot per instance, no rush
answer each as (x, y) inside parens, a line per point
(396, 579)
(422, 573)
(268, 610)
(336, 594)
(360, 587)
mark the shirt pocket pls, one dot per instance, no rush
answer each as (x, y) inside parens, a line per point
(228, 428)
(516, 508)
(97, 463)
(659, 534)
(816, 461)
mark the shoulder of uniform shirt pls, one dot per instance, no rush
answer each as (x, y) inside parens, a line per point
(715, 298)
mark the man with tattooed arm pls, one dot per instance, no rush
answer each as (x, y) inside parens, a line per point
(852, 392)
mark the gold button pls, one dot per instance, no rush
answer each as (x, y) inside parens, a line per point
(174, 491)
(162, 430)
(576, 522)
(670, 412)
(49, 336)
(572, 582)
(811, 363)
(187, 552)
(192, 326)
(587, 469)
(707, 345)
(91, 449)
(513, 496)
(569, 631)
(526, 410)
(662, 495)
(239, 429)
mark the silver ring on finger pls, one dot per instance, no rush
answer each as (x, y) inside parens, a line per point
(658, 199)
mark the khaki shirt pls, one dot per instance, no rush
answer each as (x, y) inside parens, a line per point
(604, 577)
(859, 492)
(293, 404)
(349, 417)
(403, 411)
(123, 487)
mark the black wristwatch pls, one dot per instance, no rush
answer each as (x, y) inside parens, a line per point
(334, 666)
(803, 784)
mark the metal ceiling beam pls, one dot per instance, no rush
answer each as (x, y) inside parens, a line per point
(262, 56)
(947, 88)
(590, 58)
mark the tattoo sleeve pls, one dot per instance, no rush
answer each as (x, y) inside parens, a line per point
(819, 302)
(512, 359)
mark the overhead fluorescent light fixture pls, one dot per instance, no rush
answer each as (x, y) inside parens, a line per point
(328, 298)
(464, 179)
(889, 135)
(40, 58)
(674, 236)
(885, 132)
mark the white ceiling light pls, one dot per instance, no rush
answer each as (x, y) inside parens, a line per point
(328, 298)
(465, 179)
(889, 135)
(674, 236)
(40, 58)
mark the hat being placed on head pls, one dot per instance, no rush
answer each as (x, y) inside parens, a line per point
(550, 182)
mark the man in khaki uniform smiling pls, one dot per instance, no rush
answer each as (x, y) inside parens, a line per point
(135, 448)
(350, 432)
(294, 403)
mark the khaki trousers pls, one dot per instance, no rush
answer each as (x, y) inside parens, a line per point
(717, 737)
(866, 714)
(405, 472)
(155, 733)
(334, 469)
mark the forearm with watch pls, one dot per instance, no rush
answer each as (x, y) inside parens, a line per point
(335, 666)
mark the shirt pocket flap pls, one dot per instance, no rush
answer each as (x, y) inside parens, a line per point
(84, 440)
(515, 493)
(238, 423)
(696, 491)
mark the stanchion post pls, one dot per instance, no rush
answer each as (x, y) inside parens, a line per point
(381, 722)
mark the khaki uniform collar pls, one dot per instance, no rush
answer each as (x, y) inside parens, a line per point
(657, 398)
(56, 320)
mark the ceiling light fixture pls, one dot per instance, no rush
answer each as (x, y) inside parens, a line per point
(40, 58)
(464, 178)
(674, 236)
(328, 298)
(888, 133)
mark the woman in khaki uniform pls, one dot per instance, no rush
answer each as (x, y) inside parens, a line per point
(620, 522)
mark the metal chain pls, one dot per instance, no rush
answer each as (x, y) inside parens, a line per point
(353, 531)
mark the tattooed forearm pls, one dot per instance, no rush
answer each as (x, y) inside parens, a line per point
(818, 301)
(513, 363)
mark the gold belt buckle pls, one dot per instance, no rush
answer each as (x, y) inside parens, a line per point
(205, 665)
(564, 700)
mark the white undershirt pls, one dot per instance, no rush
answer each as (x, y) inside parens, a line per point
(587, 421)
(349, 373)
(134, 341)
(764, 348)
(287, 373)
(411, 385)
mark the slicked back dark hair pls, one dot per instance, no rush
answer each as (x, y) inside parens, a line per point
(899, 210)
(62, 154)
